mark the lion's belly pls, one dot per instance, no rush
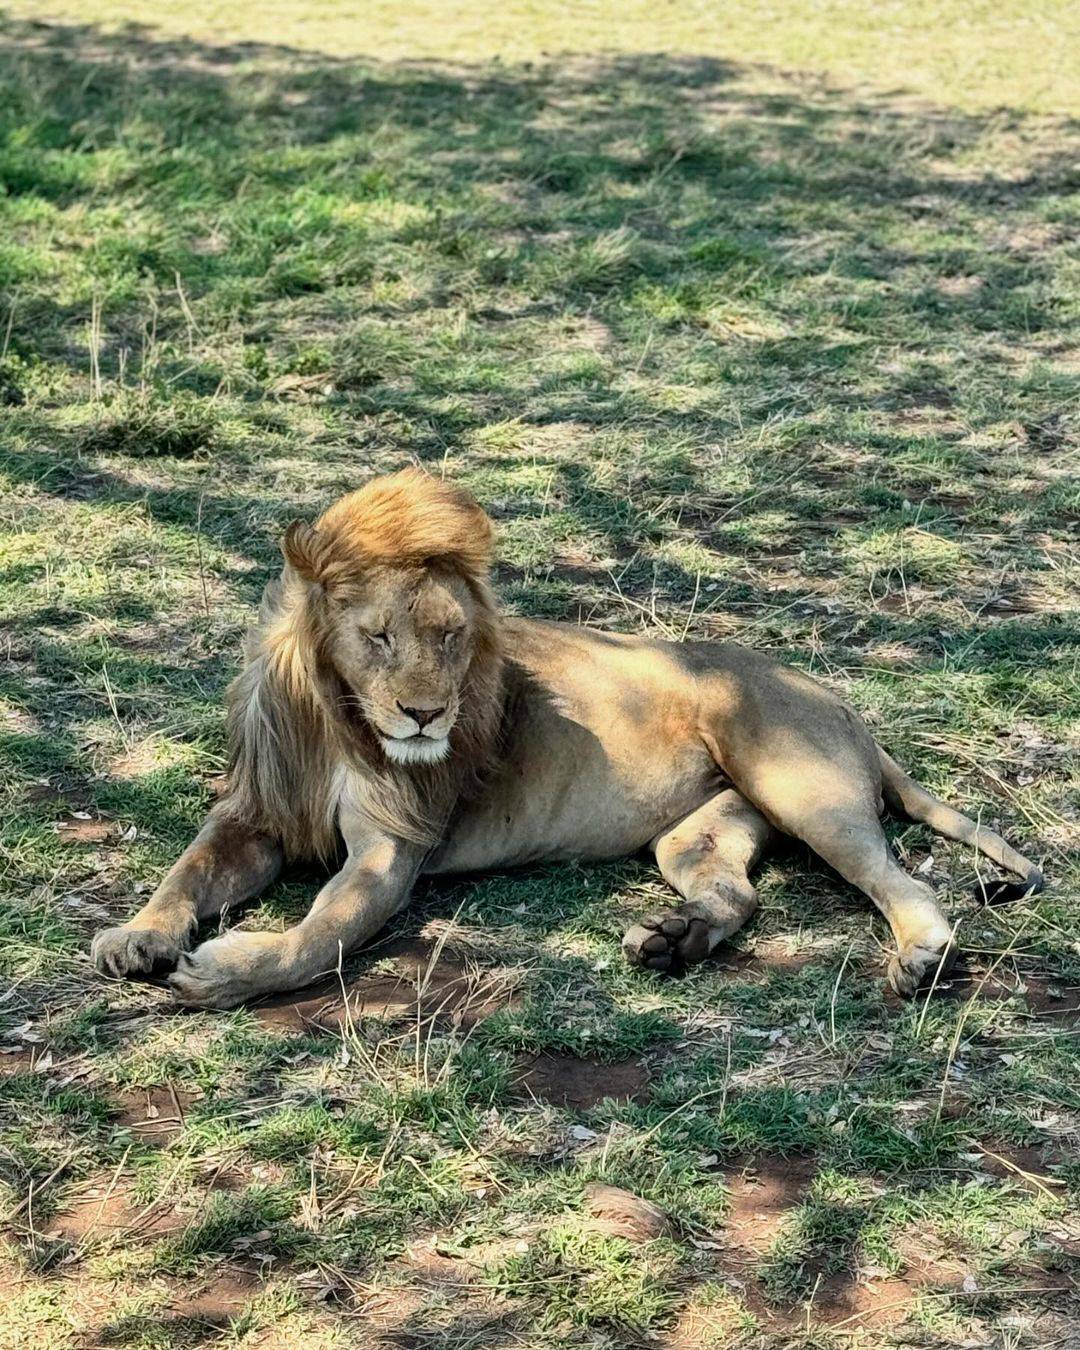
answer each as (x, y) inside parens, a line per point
(601, 820)
(581, 781)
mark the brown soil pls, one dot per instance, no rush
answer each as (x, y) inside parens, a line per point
(839, 1302)
(768, 956)
(104, 1210)
(73, 793)
(1025, 1165)
(19, 1061)
(85, 831)
(445, 987)
(216, 1299)
(878, 1303)
(422, 1276)
(1046, 999)
(760, 1195)
(1053, 999)
(209, 1301)
(154, 1114)
(564, 1080)
(763, 1195)
(896, 602)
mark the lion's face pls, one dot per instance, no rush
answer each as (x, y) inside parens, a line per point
(403, 649)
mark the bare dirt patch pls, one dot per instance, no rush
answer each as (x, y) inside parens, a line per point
(1027, 1165)
(761, 1194)
(1044, 997)
(103, 1209)
(154, 1114)
(218, 1298)
(877, 1303)
(768, 957)
(13, 1061)
(426, 980)
(135, 760)
(564, 1080)
(422, 1279)
(72, 793)
(1054, 999)
(79, 831)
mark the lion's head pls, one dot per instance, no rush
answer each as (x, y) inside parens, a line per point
(400, 615)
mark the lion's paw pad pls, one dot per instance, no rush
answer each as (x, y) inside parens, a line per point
(666, 941)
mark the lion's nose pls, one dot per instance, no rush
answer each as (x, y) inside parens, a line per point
(422, 716)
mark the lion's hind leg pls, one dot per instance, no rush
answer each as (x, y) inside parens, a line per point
(835, 811)
(858, 849)
(707, 858)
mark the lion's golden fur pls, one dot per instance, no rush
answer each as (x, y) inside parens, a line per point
(293, 730)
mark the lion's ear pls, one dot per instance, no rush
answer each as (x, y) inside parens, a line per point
(301, 549)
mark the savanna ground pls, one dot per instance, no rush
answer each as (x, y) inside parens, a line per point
(773, 339)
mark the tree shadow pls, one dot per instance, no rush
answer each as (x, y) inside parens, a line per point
(622, 178)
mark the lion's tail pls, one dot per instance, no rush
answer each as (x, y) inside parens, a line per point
(904, 796)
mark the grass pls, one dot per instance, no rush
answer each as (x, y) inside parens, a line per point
(760, 327)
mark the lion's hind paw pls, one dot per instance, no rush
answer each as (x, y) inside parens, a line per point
(666, 941)
(921, 966)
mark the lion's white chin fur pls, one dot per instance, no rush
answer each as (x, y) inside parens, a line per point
(415, 749)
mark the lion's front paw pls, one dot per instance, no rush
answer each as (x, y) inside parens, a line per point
(919, 964)
(666, 941)
(228, 970)
(133, 951)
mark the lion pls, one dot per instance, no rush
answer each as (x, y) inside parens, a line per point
(388, 714)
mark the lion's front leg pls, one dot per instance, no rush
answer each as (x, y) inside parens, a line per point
(224, 865)
(351, 908)
(228, 970)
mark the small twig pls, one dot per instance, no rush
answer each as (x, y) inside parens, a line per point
(145, 1215)
(934, 981)
(114, 707)
(94, 341)
(193, 327)
(176, 1103)
(108, 1194)
(697, 1097)
(1043, 1183)
(7, 330)
(954, 1047)
(693, 606)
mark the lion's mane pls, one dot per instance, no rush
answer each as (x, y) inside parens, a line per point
(294, 733)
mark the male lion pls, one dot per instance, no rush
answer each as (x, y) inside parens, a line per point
(385, 705)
